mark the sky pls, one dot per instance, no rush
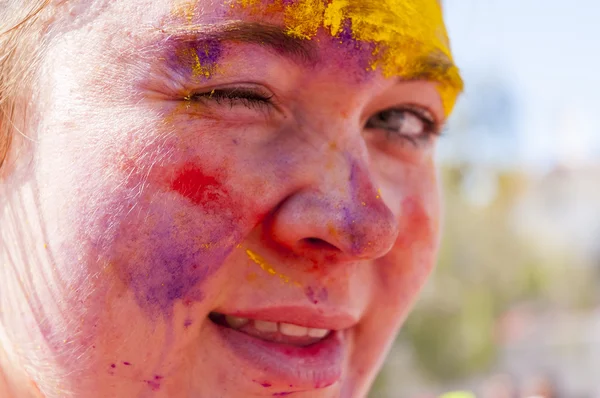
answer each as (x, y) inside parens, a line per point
(547, 53)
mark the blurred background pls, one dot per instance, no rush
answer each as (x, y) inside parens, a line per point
(513, 308)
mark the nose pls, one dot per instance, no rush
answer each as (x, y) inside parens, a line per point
(340, 213)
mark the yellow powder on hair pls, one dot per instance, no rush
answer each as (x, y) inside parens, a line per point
(409, 36)
(304, 18)
(334, 16)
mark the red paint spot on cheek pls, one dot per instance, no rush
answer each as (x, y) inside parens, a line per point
(193, 184)
(416, 225)
(265, 384)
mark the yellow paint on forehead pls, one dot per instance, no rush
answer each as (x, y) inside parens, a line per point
(408, 35)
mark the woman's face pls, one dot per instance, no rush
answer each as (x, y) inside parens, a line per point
(227, 199)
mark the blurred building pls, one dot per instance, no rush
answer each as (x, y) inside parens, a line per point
(560, 213)
(561, 346)
(484, 127)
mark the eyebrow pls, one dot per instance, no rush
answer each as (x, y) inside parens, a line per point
(272, 37)
(437, 67)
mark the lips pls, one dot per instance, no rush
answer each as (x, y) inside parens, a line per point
(287, 347)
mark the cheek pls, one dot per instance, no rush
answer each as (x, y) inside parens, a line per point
(413, 255)
(161, 219)
(181, 234)
(418, 228)
(160, 236)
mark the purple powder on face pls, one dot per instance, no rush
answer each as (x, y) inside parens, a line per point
(197, 59)
(354, 212)
(354, 171)
(171, 271)
(209, 53)
(350, 226)
(154, 384)
(162, 265)
(360, 51)
(316, 295)
(323, 294)
(310, 293)
(345, 35)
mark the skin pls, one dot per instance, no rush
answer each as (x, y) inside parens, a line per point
(144, 211)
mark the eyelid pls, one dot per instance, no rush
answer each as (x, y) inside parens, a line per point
(251, 95)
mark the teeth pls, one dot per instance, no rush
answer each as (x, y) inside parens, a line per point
(292, 330)
(318, 333)
(265, 326)
(287, 329)
(235, 322)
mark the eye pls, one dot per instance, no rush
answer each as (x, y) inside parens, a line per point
(252, 98)
(414, 125)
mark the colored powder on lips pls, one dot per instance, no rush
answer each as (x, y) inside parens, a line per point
(409, 35)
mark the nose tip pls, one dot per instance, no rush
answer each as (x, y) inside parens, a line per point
(310, 225)
(370, 230)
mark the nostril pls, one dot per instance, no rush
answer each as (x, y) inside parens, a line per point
(318, 244)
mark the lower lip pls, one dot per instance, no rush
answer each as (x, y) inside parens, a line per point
(316, 366)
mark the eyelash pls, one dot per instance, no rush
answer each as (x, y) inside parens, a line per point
(249, 98)
(256, 100)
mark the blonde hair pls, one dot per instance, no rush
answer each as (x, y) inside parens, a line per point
(20, 30)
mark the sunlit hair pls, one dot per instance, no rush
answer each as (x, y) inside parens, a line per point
(19, 48)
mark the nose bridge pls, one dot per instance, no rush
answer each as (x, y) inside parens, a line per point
(366, 222)
(338, 153)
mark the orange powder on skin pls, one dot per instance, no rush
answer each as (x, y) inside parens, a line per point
(409, 35)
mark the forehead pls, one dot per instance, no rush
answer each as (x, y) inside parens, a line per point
(398, 30)
(397, 38)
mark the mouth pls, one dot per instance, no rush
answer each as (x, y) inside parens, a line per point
(275, 332)
(286, 356)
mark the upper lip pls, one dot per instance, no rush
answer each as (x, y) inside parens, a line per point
(315, 318)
